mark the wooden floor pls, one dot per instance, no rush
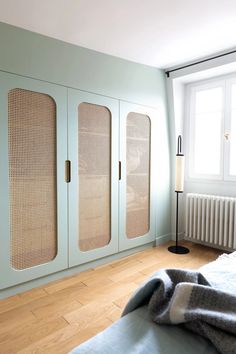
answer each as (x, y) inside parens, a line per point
(59, 316)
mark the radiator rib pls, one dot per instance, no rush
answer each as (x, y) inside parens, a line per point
(211, 220)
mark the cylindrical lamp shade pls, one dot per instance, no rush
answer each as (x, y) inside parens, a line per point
(179, 173)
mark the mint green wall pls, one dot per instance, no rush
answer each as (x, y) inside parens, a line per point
(40, 57)
(34, 55)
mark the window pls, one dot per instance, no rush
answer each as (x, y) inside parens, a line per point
(212, 130)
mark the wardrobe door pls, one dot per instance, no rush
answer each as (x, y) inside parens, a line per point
(33, 191)
(137, 154)
(93, 190)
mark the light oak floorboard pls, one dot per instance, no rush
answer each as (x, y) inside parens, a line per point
(58, 316)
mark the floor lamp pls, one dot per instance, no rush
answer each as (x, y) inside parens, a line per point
(179, 188)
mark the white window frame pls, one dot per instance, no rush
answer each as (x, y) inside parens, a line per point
(226, 83)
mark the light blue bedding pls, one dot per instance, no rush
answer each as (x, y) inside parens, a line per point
(135, 333)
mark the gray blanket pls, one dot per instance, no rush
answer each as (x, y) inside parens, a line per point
(177, 296)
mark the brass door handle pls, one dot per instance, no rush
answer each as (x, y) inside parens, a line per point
(67, 171)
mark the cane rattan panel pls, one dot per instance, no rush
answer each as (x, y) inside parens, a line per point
(32, 178)
(138, 130)
(94, 176)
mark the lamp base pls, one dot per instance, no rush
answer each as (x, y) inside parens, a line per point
(178, 249)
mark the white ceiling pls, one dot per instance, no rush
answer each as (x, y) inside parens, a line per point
(161, 33)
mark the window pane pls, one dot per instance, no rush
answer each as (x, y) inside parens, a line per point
(232, 160)
(207, 147)
(209, 100)
(207, 131)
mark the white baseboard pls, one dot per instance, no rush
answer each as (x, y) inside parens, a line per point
(180, 236)
(163, 239)
(208, 244)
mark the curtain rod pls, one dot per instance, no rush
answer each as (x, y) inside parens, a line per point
(199, 62)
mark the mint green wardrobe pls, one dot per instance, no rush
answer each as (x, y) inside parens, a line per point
(111, 204)
(93, 146)
(138, 152)
(77, 177)
(33, 192)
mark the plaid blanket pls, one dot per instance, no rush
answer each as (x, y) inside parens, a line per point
(177, 296)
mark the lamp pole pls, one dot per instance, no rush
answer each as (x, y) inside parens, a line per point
(179, 188)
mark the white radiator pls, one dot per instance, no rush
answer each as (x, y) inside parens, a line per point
(211, 219)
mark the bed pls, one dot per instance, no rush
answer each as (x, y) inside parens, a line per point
(137, 333)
